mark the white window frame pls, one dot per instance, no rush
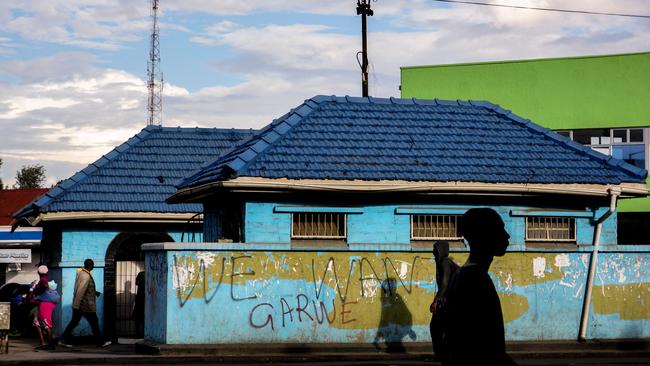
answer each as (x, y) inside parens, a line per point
(568, 240)
(317, 236)
(610, 146)
(456, 217)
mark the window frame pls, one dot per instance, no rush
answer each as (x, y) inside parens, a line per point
(572, 220)
(450, 238)
(645, 133)
(344, 221)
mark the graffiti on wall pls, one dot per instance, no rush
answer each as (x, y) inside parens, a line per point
(330, 288)
(385, 296)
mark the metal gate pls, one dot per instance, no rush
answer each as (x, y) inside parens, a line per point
(125, 290)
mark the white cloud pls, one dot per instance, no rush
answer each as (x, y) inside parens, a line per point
(7, 46)
(96, 24)
(68, 108)
(53, 67)
(238, 7)
(17, 106)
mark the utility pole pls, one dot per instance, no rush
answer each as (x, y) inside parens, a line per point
(155, 82)
(363, 9)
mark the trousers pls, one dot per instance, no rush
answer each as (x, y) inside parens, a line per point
(92, 320)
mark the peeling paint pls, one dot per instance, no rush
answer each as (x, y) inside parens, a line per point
(539, 266)
(562, 260)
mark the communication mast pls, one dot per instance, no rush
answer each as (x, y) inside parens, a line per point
(155, 82)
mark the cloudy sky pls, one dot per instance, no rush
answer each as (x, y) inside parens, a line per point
(72, 72)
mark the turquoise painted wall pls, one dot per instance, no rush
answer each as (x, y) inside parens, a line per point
(379, 225)
(374, 225)
(263, 225)
(76, 246)
(222, 293)
(156, 296)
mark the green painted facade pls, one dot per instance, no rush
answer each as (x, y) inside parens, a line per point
(564, 93)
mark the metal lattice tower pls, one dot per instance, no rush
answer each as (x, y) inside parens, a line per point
(155, 82)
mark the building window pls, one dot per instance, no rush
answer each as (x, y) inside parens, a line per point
(435, 227)
(632, 154)
(548, 228)
(628, 144)
(318, 225)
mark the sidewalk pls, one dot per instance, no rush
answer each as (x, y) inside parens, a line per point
(21, 352)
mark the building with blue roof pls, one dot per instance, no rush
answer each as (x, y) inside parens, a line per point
(108, 209)
(319, 228)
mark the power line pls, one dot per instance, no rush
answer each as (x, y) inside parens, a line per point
(544, 9)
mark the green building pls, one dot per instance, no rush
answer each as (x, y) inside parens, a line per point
(600, 101)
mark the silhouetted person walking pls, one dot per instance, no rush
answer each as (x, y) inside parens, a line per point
(84, 305)
(475, 333)
(445, 269)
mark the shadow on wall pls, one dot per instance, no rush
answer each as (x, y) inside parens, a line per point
(396, 320)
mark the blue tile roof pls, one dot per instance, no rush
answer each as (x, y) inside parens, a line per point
(140, 174)
(348, 138)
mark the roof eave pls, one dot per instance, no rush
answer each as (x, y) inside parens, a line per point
(194, 194)
(252, 184)
(105, 216)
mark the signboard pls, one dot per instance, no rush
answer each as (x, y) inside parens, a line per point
(15, 256)
(4, 315)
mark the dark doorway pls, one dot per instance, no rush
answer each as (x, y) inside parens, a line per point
(633, 228)
(124, 260)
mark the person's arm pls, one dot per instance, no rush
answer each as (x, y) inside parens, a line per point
(81, 285)
(446, 277)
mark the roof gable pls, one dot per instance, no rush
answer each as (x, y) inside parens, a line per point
(140, 174)
(348, 138)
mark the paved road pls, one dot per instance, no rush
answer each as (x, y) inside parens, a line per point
(538, 362)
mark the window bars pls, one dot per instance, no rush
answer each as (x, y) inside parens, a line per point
(435, 227)
(318, 225)
(548, 228)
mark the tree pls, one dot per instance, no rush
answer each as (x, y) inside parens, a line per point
(30, 176)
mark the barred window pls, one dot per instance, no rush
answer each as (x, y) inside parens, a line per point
(435, 227)
(547, 228)
(318, 225)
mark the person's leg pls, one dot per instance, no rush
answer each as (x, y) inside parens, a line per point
(94, 325)
(436, 327)
(76, 317)
(432, 331)
(50, 339)
(40, 336)
(37, 326)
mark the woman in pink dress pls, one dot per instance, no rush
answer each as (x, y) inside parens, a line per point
(43, 321)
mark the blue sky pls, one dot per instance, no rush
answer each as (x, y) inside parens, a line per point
(72, 72)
